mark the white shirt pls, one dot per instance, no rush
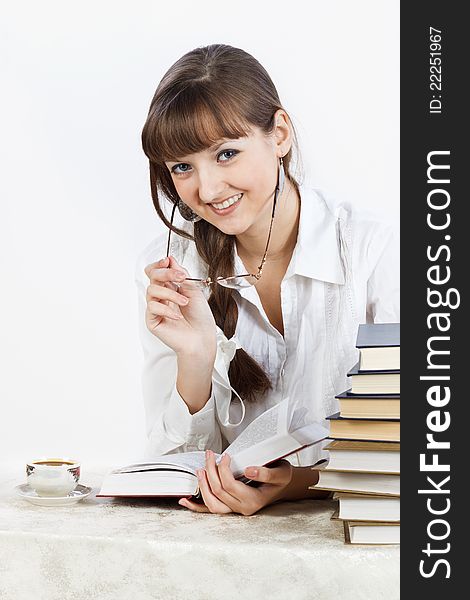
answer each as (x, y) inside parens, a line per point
(344, 271)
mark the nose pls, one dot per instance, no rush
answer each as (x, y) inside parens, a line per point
(211, 185)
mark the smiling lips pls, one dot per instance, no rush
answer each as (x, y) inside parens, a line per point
(227, 205)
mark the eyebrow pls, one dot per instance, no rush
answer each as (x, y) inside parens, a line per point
(217, 146)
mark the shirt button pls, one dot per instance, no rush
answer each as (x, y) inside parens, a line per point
(282, 372)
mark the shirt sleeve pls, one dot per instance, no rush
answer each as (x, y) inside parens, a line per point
(170, 427)
(383, 286)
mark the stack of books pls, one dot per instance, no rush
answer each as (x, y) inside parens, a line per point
(364, 465)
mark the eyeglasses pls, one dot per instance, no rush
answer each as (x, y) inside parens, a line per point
(244, 280)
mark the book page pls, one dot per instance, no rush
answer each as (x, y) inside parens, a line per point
(185, 461)
(269, 424)
(257, 431)
(281, 430)
(299, 418)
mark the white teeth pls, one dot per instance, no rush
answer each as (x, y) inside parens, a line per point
(229, 202)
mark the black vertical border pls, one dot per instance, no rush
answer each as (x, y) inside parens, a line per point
(421, 133)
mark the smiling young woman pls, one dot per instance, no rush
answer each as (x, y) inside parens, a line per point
(264, 284)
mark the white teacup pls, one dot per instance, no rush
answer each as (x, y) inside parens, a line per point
(53, 476)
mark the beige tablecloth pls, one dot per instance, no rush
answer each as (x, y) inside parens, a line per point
(107, 549)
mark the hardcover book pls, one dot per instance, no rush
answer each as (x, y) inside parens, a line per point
(359, 483)
(364, 429)
(275, 434)
(365, 457)
(360, 507)
(371, 533)
(379, 406)
(374, 382)
(379, 346)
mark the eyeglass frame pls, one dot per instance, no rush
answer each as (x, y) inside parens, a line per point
(208, 281)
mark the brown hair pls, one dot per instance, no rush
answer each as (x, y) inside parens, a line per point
(210, 93)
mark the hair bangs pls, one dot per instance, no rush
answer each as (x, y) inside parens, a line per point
(195, 121)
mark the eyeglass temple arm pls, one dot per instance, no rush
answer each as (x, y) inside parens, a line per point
(263, 260)
(169, 231)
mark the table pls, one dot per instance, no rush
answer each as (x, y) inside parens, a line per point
(138, 549)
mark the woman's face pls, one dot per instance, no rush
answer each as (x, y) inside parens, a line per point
(232, 184)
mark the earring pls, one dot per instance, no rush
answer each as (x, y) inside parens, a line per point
(187, 213)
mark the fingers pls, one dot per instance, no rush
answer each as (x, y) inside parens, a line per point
(193, 505)
(165, 275)
(161, 291)
(278, 475)
(235, 488)
(174, 264)
(168, 273)
(157, 309)
(214, 504)
(217, 485)
(165, 270)
(217, 488)
(157, 292)
(160, 264)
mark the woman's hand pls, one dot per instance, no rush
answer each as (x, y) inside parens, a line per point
(222, 493)
(178, 314)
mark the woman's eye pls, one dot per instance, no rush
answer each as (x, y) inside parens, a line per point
(223, 156)
(182, 166)
(227, 152)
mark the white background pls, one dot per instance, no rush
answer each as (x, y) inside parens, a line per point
(76, 208)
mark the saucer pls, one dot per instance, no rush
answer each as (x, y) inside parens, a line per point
(27, 492)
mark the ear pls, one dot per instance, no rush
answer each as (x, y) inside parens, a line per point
(282, 132)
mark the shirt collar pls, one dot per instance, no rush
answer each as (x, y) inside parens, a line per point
(316, 254)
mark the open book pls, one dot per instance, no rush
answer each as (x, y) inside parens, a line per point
(278, 432)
